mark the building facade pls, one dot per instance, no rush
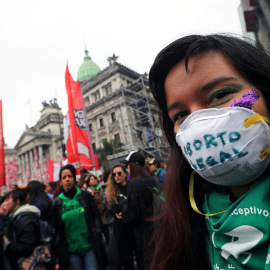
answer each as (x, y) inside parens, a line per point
(255, 20)
(119, 105)
(42, 141)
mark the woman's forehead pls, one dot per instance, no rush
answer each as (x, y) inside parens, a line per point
(202, 69)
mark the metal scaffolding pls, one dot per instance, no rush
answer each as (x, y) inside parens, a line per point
(143, 119)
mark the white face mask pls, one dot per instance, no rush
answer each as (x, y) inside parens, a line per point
(228, 146)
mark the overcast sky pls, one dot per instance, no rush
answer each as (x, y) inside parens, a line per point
(39, 37)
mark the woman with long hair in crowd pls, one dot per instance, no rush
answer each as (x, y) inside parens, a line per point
(214, 92)
(78, 226)
(91, 185)
(39, 198)
(139, 207)
(122, 232)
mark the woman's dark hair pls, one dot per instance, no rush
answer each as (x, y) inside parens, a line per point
(17, 194)
(72, 170)
(106, 174)
(180, 241)
(136, 171)
(88, 181)
(52, 185)
(57, 190)
(37, 193)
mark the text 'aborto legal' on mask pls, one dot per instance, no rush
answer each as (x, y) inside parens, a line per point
(223, 148)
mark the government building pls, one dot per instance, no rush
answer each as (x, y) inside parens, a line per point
(119, 107)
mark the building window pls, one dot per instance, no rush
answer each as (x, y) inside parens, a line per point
(117, 137)
(113, 116)
(96, 96)
(94, 147)
(90, 127)
(101, 124)
(107, 89)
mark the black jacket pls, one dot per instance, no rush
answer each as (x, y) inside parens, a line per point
(2, 226)
(139, 212)
(95, 226)
(23, 234)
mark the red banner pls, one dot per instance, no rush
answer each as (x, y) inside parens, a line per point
(2, 150)
(78, 143)
(96, 161)
(53, 170)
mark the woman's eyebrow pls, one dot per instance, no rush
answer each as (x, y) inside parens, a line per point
(205, 88)
(216, 81)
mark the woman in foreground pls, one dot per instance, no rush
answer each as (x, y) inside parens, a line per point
(78, 226)
(213, 92)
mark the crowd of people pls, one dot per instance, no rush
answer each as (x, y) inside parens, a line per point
(209, 210)
(91, 223)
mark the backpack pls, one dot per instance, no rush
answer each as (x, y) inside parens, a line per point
(46, 232)
(41, 254)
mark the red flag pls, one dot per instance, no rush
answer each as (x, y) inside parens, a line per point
(96, 161)
(2, 150)
(53, 170)
(78, 143)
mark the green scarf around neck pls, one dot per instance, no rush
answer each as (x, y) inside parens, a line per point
(240, 237)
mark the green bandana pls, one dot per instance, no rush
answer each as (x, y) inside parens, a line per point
(8, 220)
(96, 188)
(240, 237)
(157, 171)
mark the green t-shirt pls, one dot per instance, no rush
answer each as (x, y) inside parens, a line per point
(240, 237)
(76, 228)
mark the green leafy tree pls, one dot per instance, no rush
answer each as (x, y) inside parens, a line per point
(109, 148)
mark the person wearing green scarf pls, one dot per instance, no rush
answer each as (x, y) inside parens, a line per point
(159, 172)
(78, 226)
(213, 92)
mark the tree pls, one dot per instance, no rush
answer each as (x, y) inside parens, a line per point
(110, 147)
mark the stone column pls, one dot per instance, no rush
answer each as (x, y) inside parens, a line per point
(40, 153)
(31, 163)
(54, 150)
(23, 165)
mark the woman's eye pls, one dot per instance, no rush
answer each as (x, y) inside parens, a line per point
(179, 118)
(223, 95)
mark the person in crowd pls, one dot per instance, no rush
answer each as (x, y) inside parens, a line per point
(100, 178)
(159, 172)
(139, 207)
(57, 190)
(78, 226)
(92, 186)
(122, 232)
(39, 198)
(108, 217)
(13, 186)
(214, 96)
(165, 166)
(21, 232)
(50, 189)
(2, 227)
(148, 159)
(83, 175)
